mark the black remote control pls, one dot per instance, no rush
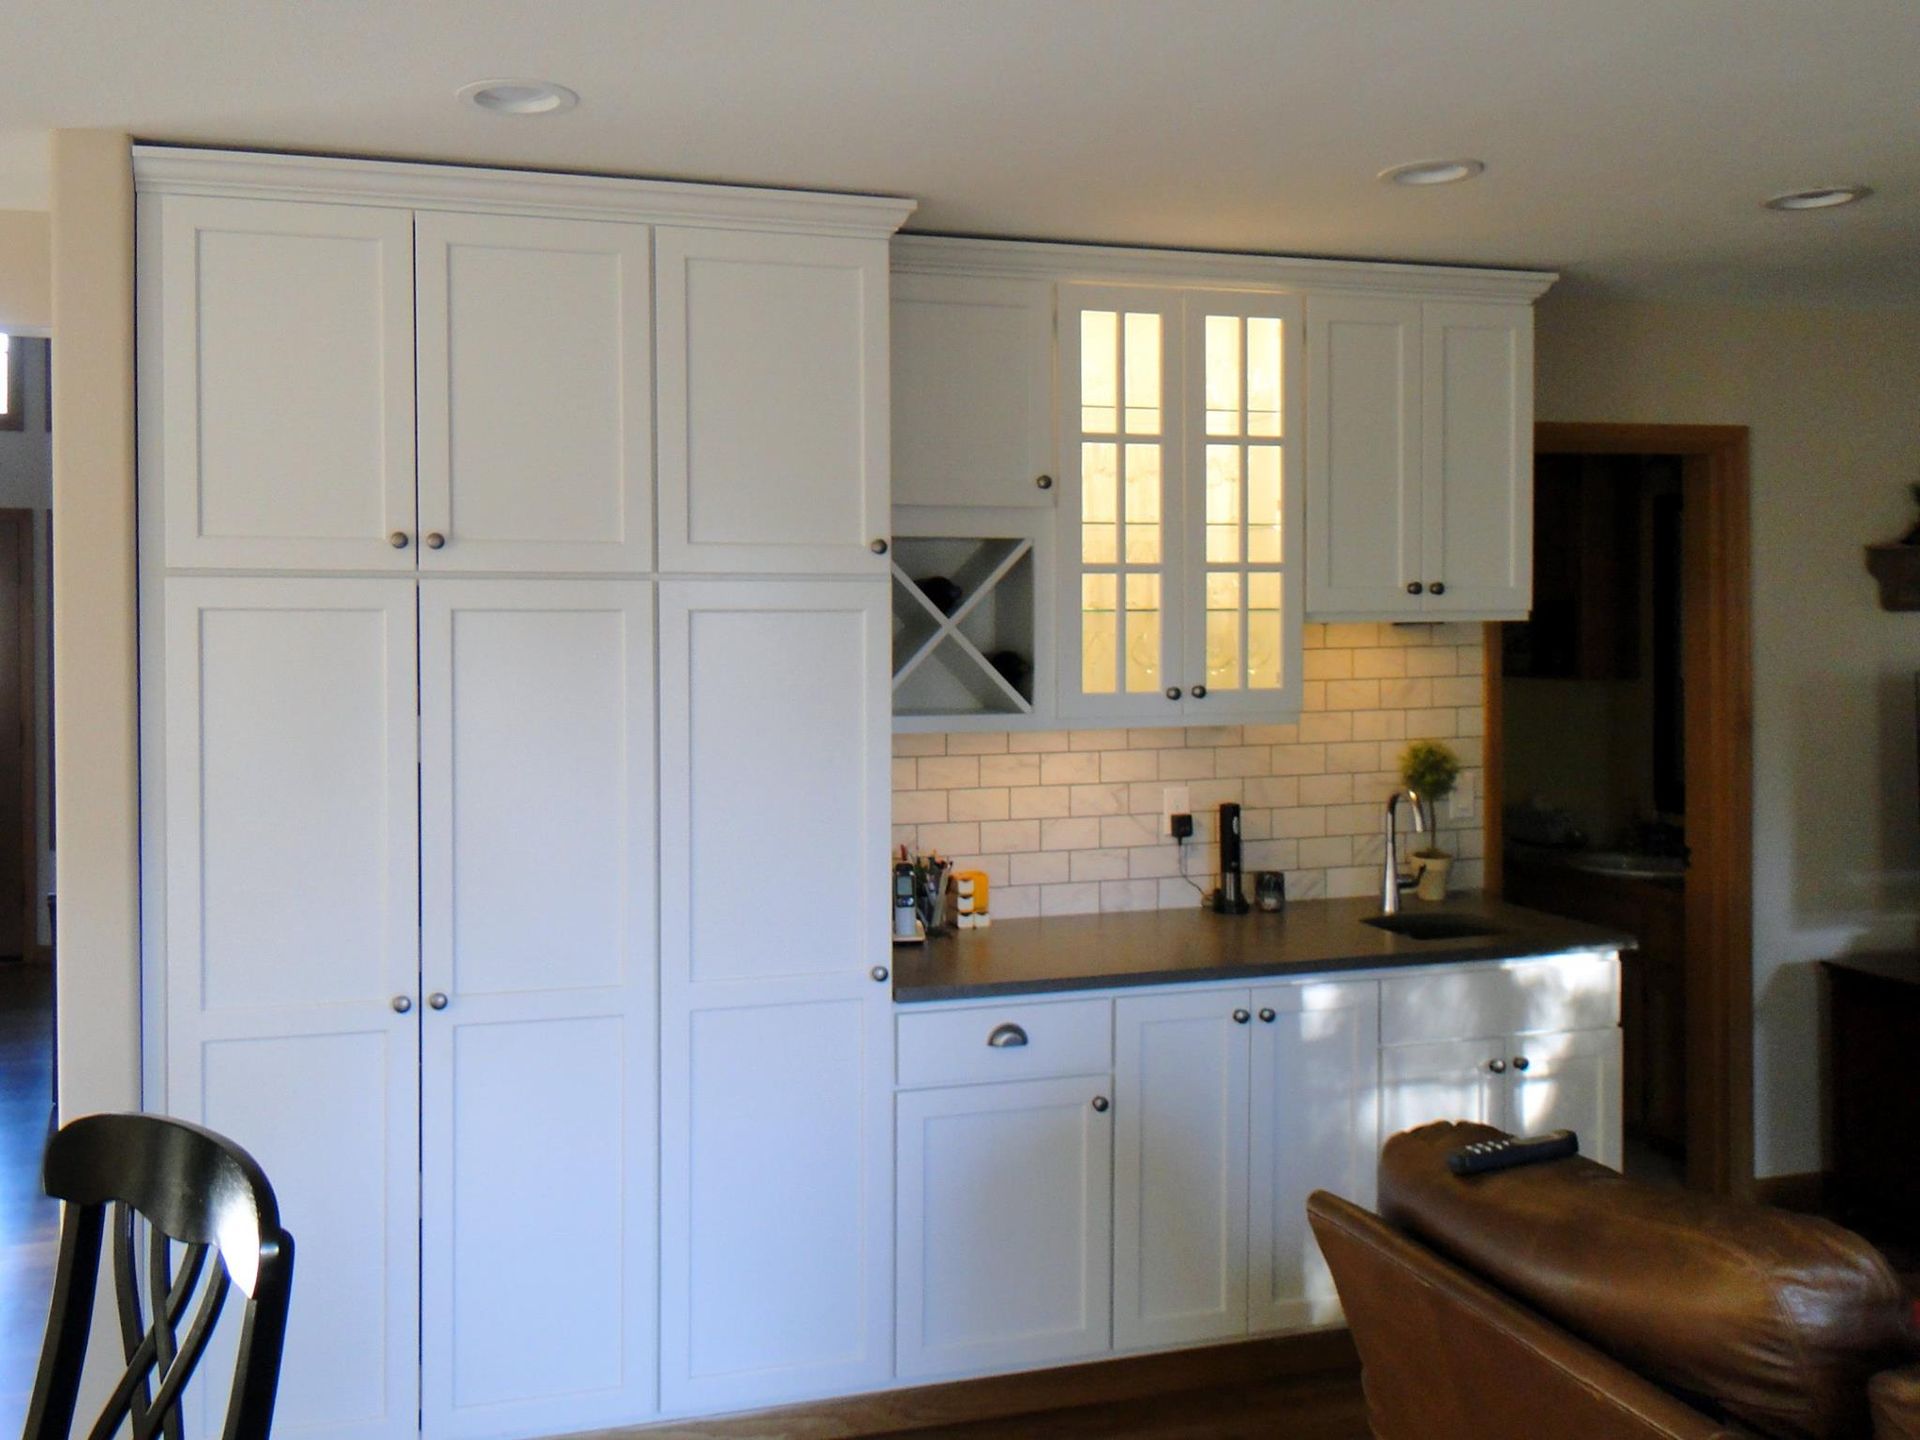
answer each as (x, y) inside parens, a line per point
(1512, 1150)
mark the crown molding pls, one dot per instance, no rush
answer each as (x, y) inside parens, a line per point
(247, 174)
(1098, 264)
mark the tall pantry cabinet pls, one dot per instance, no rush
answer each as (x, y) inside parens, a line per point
(514, 780)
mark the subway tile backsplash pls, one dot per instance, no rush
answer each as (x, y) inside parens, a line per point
(1069, 821)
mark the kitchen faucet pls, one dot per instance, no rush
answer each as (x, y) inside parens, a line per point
(1391, 884)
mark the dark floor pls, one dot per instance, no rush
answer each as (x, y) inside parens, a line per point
(28, 1220)
(1305, 1408)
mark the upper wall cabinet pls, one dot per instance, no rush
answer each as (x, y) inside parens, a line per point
(536, 394)
(773, 403)
(285, 376)
(1419, 458)
(972, 391)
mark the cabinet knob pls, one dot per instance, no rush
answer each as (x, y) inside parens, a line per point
(435, 540)
(1520, 1062)
(437, 1000)
(1100, 1103)
(402, 1004)
(398, 539)
(1007, 1037)
(1266, 1014)
(1045, 482)
(1439, 587)
(1498, 1067)
(879, 974)
(879, 547)
(1414, 587)
(1240, 1017)
(1173, 692)
(1199, 692)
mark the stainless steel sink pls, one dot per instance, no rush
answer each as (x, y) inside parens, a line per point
(1434, 927)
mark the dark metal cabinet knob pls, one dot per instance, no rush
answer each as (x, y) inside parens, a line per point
(1266, 1014)
(398, 539)
(435, 540)
(1045, 482)
(1414, 587)
(1199, 692)
(402, 1004)
(1100, 1103)
(879, 974)
(1007, 1037)
(1173, 692)
(1498, 1067)
(1240, 1017)
(1520, 1062)
(879, 547)
(1439, 587)
(438, 1000)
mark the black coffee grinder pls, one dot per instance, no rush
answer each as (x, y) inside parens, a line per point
(1229, 899)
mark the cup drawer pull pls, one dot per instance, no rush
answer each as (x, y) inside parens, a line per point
(1006, 1037)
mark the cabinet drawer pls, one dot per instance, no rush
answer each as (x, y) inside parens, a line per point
(1565, 992)
(954, 1047)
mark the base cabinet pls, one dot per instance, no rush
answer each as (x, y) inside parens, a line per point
(1005, 1251)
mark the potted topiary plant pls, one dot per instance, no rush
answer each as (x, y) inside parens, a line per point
(1429, 769)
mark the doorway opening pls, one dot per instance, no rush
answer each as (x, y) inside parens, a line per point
(1620, 734)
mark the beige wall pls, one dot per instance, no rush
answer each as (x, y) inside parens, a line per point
(97, 869)
(1833, 402)
(25, 285)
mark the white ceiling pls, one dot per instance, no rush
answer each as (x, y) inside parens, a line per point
(1628, 142)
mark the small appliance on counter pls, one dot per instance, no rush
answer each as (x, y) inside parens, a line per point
(1230, 899)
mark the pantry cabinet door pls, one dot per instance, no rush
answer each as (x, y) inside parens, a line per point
(1180, 1169)
(972, 391)
(536, 394)
(291, 955)
(772, 363)
(1363, 458)
(277, 391)
(1477, 434)
(537, 1087)
(1315, 1126)
(1005, 1226)
(777, 1038)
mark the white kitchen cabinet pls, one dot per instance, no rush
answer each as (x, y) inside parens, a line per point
(972, 391)
(773, 388)
(777, 1040)
(535, 394)
(292, 967)
(1004, 1225)
(1179, 546)
(1419, 458)
(278, 399)
(537, 1084)
(1181, 1087)
(1315, 1125)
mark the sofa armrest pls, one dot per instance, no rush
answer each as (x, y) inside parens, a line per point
(1895, 1398)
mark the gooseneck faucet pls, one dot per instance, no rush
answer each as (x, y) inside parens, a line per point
(1390, 883)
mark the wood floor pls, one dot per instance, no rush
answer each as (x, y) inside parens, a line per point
(1302, 1408)
(28, 1220)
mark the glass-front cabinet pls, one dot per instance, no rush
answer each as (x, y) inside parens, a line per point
(1180, 524)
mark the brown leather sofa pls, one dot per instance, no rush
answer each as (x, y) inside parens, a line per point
(1562, 1301)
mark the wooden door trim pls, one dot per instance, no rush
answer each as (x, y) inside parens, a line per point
(1717, 659)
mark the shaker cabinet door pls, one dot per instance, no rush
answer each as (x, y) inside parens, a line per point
(276, 388)
(536, 394)
(772, 362)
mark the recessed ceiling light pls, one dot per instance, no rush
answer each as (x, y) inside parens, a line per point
(519, 97)
(1824, 198)
(1433, 172)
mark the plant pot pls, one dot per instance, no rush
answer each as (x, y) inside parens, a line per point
(1430, 871)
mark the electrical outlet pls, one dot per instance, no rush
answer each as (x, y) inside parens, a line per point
(1460, 803)
(1174, 800)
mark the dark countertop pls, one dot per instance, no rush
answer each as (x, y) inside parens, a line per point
(1162, 947)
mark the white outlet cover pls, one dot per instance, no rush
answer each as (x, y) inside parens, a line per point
(1460, 804)
(1174, 800)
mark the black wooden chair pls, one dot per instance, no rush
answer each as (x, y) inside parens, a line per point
(193, 1189)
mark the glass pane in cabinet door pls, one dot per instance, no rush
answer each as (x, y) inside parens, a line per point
(1223, 374)
(1143, 504)
(1099, 372)
(1143, 633)
(1265, 375)
(1142, 368)
(1099, 503)
(1223, 630)
(1223, 504)
(1099, 633)
(1263, 632)
(1263, 504)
